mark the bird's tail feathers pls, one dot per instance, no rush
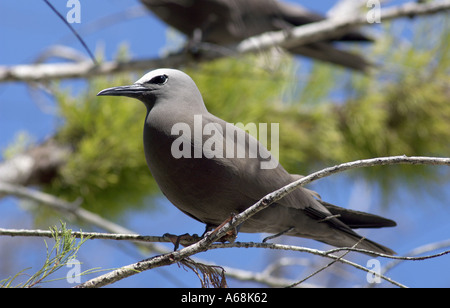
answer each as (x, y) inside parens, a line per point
(356, 219)
(344, 239)
(327, 53)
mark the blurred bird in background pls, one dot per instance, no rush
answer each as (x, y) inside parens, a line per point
(228, 22)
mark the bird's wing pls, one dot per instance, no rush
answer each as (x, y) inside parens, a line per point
(296, 177)
(250, 181)
(356, 219)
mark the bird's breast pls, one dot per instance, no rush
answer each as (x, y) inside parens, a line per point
(190, 183)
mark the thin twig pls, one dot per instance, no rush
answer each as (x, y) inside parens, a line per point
(73, 31)
(412, 255)
(324, 267)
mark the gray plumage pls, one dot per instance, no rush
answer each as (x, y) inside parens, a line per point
(228, 22)
(210, 189)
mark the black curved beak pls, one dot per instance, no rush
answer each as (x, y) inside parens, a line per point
(135, 90)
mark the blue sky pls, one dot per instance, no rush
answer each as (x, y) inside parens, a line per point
(27, 28)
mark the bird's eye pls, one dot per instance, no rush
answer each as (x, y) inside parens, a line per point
(161, 79)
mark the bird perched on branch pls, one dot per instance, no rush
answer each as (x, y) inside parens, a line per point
(228, 22)
(194, 157)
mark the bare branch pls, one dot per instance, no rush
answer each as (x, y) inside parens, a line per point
(207, 242)
(73, 208)
(301, 35)
(339, 25)
(79, 234)
(317, 252)
(346, 7)
(36, 165)
(418, 251)
(85, 69)
(237, 273)
(179, 255)
(280, 193)
(264, 277)
(411, 256)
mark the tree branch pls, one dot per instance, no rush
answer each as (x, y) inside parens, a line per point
(207, 242)
(334, 27)
(280, 193)
(236, 273)
(92, 235)
(35, 166)
(324, 267)
(162, 239)
(127, 236)
(301, 35)
(418, 251)
(73, 208)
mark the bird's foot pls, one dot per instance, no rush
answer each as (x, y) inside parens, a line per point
(230, 235)
(184, 239)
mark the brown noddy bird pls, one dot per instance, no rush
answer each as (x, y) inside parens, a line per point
(194, 157)
(228, 22)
